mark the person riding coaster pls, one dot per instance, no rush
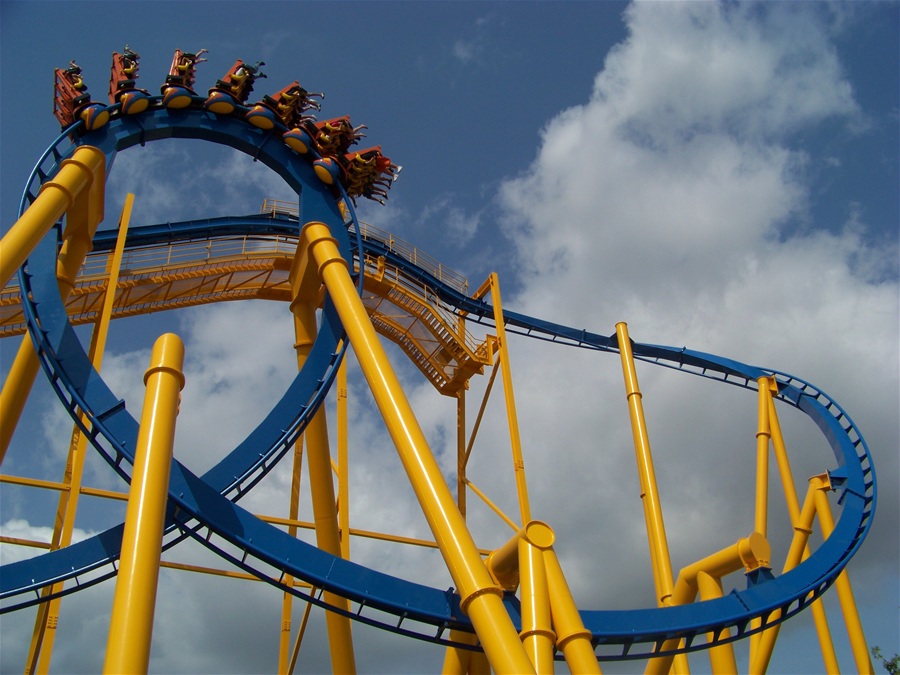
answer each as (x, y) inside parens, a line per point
(335, 136)
(72, 102)
(369, 174)
(183, 70)
(122, 82)
(291, 102)
(178, 89)
(238, 82)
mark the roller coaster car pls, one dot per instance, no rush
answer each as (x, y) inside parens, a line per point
(233, 89)
(334, 137)
(369, 174)
(71, 102)
(178, 88)
(364, 173)
(291, 102)
(122, 77)
(301, 138)
(285, 107)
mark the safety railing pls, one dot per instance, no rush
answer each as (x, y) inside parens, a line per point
(402, 248)
(181, 253)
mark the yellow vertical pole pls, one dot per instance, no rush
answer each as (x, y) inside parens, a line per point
(784, 467)
(571, 636)
(721, 657)
(537, 631)
(48, 613)
(461, 455)
(509, 396)
(793, 507)
(845, 593)
(823, 632)
(763, 435)
(287, 600)
(131, 622)
(481, 599)
(343, 459)
(656, 531)
(295, 652)
(457, 659)
(759, 660)
(77, 191)
(321, 485)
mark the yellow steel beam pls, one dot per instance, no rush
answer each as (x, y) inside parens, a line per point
(763, 434)
(759, 660)
(481, 600)
(79, 186)
(537, 629)
(343, 460)
(571, 636)
(845, 593)
(305, 285)
(284, 641)
(493, 284)
(751, 553)
(78, 191)
(47, 619)
(457, 660)
(656, 531)
(721, 657)
(134, 601)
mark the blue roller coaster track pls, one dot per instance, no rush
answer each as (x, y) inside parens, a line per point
(205, 507)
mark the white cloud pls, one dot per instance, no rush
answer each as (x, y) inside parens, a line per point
(447, 215)
(470, 49)
(664, 201)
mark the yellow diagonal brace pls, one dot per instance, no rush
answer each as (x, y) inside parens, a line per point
(481, 599)
(78, 191)
(48, 613)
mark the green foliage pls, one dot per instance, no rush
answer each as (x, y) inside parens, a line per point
(892, 666)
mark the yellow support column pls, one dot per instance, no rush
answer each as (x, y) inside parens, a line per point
(508, 394)
(656, 529)
(328, 538)
(572, 638)
(343, 460)
(793, 508)
(287, 600)
(537, 629)
(750, 553)
(134, 602)
(16, 387)
(763, 434)
(845, 592)
(77, 191)
(457, 659)
(759, 659)
(481, 600)
(461, 455)
(79, 184)
(721, 658)
(48, 613)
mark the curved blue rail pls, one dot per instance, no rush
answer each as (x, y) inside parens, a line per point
(204, 507)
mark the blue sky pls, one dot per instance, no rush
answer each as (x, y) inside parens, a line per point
(719, 176)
